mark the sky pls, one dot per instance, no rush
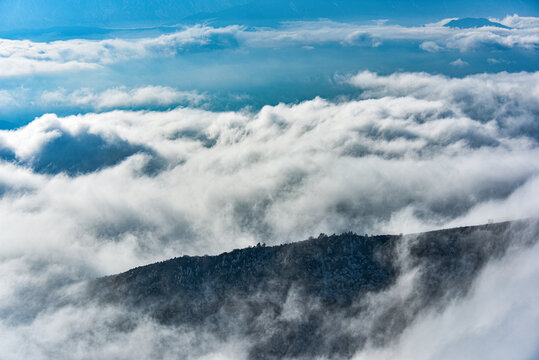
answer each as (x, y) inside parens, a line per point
(135, 132)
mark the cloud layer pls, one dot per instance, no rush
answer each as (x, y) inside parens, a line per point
(24, 57)
(87, 195)
(434, 154)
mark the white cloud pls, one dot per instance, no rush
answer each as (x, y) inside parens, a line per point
(459, 63)
(231, 169)
(430, 46)
(515, 21)
(493, 61)
(121, 97)
(24, 57)
(497, 320)
(471, 93)
(19, 66)
(87, 332)
(7, 99)
(431, 36)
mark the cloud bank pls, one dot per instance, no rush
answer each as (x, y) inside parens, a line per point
(433, 155)
(87, 195)
(24, 57)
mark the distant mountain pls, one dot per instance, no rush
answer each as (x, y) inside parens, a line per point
(294, 300)
(469, 23)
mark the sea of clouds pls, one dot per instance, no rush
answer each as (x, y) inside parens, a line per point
(92, 194)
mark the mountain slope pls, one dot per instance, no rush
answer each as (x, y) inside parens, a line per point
(295, 300)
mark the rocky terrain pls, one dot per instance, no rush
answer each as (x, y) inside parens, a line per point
(326, 296)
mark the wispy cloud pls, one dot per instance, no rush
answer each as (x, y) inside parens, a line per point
(20, 66)
(121, 97)
(459, 63)
(430, 46)
(495, 321)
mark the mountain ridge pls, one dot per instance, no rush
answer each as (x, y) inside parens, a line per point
(329, 279)
(321, 235)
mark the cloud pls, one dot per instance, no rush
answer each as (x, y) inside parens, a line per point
(469, 94)
(121, 97)
(493, 61)
(24, 57)
(430, 46)
(20, 66)
(87, 195)
(430, 36)
(96, 331)
(7, 99)
(453, 144)
(27, 101)
(496, 320)
(459, 63)
(515, 21)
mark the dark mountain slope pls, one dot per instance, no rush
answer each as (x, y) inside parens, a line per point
(294, 300)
